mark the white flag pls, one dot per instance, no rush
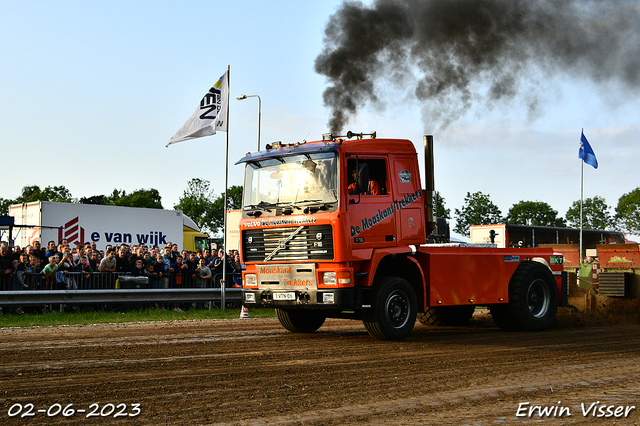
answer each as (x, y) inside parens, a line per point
(209, 116)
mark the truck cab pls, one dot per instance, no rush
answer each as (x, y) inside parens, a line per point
(309, 217)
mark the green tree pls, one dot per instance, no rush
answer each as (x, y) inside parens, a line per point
(4, 206)
(197, 203)
(595, 214)
(148, 198)
(478, 209)
(109, 200)
(441, 210)
(32, 193)
(534, 213)
(234, 201)
(628, 211)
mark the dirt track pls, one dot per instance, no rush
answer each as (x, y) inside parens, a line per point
(253, 372)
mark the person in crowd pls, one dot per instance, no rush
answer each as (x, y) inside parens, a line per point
(201, 274)
(17, 251)
(6, 266)
(192, 263)
(201, 278)
(174, 253)
(220, 264)
(206, 255)
(49, 272)
(180, 270)
(39, 252)
(60, 250)
(154, 277)
(85, 267)
(237, 270)
(150, 256)
(29, 250)
(35, 265)
(137, 255)
(160, 268)
(79, 253)
(108, 264)
(34, 273)
(19, 273)
(138, 269)
(51, 249)
(18, 280)
(122, 263)
(68, 267)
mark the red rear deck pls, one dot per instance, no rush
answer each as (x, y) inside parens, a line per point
(472, 275)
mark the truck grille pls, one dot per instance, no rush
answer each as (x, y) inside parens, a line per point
(313, 242)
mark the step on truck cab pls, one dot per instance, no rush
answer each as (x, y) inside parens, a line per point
(337, 228)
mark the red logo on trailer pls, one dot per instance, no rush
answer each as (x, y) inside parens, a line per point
(72, 232)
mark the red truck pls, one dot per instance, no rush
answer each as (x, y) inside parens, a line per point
(337, 228)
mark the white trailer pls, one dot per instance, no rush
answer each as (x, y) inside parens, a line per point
(80, 223)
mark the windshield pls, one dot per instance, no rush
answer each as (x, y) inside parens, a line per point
(296, 182)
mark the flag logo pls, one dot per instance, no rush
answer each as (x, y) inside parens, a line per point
(209, 116)
(210, 104)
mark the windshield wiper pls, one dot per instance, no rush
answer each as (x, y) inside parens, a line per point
(261, 205)
(316, 205)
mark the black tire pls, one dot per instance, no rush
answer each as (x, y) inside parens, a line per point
(533, 300)
(300, 320)
(393, 309)
(454, 316)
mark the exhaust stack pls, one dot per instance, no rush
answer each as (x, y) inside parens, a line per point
(430, 193)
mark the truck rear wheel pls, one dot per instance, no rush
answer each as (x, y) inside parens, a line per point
(300, 320)
(533, 300)
(455, 316)
(393, 309)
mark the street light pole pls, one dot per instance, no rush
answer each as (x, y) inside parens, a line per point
(242, 97)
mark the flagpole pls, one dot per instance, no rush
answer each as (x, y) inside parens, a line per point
(224, 210)
(581, 197)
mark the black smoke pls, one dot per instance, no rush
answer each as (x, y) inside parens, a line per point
(451, 55)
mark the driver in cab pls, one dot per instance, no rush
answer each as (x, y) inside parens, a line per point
(373, 187)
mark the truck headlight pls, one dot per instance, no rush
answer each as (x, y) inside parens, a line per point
(250, 280)
(250, 298)
(333, 278)
(330, 278)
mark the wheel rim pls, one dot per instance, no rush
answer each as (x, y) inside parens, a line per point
(538, 298)
(397, 309)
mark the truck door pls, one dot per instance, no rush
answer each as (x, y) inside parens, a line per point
(408, 201)
(370, 207)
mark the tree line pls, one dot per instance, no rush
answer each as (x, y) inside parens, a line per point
(201, 204)
(478, 209)
(198, 201)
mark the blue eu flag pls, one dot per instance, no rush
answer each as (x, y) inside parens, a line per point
(586, 153)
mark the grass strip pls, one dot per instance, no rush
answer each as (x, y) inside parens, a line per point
(37, 318)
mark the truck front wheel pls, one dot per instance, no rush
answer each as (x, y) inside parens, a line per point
(300, 320)
(393, 309)
(533, 300)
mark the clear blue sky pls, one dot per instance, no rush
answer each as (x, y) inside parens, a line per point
(91, 91)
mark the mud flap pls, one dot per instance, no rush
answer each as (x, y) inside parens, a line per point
(564, 290)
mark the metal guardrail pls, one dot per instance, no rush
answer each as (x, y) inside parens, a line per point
(110, 288)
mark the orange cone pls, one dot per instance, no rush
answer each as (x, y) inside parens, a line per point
(244, 313)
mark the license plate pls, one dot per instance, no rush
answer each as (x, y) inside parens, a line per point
(284, 296)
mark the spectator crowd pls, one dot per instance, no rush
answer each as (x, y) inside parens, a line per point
(59, 267)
